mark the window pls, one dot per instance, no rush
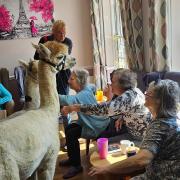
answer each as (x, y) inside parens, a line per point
(112, 35)
(117, 33)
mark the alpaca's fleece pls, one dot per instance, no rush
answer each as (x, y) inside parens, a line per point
(26, 141)
(30, 142)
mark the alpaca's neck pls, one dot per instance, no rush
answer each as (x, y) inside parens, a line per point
(47, 87)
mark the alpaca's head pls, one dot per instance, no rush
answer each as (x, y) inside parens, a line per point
(31, 68)
(55, 54)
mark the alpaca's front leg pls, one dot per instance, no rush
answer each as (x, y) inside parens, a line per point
(33, 176)
(47, 173)
(47, 169)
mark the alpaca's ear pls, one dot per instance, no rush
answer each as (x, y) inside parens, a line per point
(35, 46)
(23, 63)
(44, 50)
(31, 59)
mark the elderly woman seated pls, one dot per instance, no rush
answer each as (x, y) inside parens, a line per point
(128, 105)
(160, 149)
(87, 126)
(6, 102)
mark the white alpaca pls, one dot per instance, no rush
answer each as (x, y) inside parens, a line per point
(30, 142)
(32, 97)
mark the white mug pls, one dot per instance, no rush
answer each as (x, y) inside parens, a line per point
(124, 144)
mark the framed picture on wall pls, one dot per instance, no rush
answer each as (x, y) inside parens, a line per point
(25, 18)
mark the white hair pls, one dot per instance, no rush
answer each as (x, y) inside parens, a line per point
(168, 92)
(82, 76)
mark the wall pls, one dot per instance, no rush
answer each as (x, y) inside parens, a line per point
(76, 14)
(175, 14)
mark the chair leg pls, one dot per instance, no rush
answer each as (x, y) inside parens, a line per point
(87, 146)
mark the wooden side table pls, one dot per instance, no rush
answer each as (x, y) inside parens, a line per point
(111, 159)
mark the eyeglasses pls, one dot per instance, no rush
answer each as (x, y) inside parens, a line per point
(61, 33)
(148, 94)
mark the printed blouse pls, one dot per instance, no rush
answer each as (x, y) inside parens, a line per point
(129, 107)
(163, 140)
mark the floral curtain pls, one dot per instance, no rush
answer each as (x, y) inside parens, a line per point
(158, 48)
(131, 14)
(157, 53)
(97, 24)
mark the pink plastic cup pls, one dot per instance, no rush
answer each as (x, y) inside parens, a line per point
(102, 144)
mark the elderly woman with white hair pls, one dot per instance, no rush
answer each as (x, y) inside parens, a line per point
(87, 126)
(160, 149)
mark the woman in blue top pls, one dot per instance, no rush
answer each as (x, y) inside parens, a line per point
(87, 126)
(6, 101)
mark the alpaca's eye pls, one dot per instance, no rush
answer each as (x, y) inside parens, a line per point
(60, 57)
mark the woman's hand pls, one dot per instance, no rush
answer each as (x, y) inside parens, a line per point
(97, 170)
(107, 91)
(118, 124)
(68, 109)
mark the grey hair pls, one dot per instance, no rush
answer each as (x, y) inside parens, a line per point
(82, 76)
(168, 92)
(127, 79)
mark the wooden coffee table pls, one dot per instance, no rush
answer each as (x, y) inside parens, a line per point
(111, 159)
